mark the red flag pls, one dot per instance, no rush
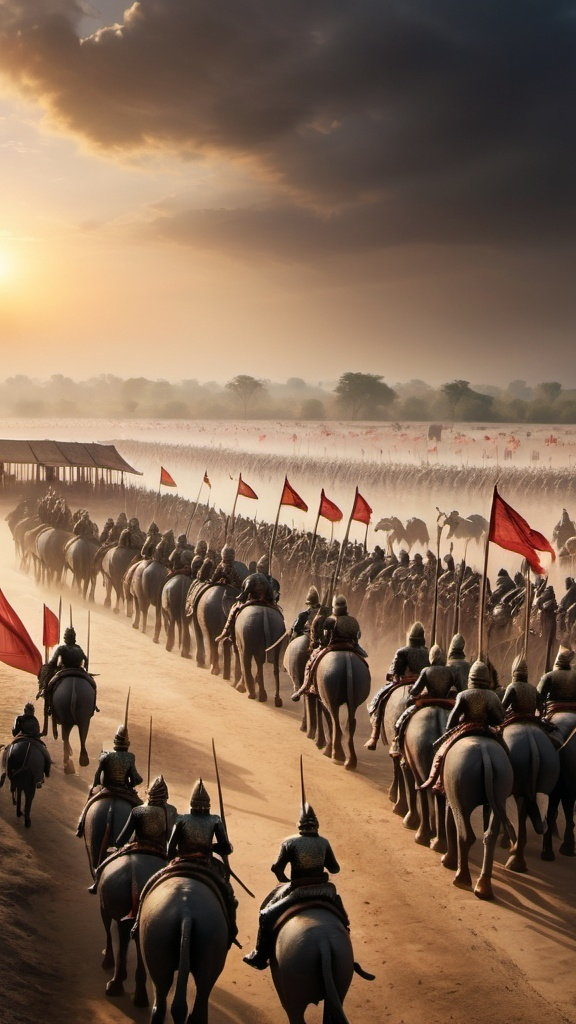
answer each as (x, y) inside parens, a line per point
(328, 509)
(361, 511)
(510, 531)
(244, 489)
(51, 628)
(166, 479)
(290, 497)
(16, 646)
(206, 480)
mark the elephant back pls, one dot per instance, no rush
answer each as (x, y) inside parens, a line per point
(25, 756)
(313, 961)
(343, 677)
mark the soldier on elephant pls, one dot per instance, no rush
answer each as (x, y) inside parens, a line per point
(67, 655)
(303, 622)
(257, 586)
(336, 628)
(84, 527)
(225, 573)
(557, 689)
(26, 727)
(436, 681)
(175, 557)
(152, 539)
(148, 828)
(310, 857)
(458, 662)
(195, 839)
(479, 703)
(116, 774)
(406, 667)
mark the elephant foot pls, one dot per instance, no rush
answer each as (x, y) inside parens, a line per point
(240, 687)
(483, 889)
(183, 654)
(462, 880)
(401, 808)
(107, 603)
(27, 823)
(278, 702)
(215, 670)
(567, 849)
(116, 611)
(411, 820)
(505, 843)
(141, 999)
(155, 639)
(263, 697)
(18, 813)
(351, 764)
(200, 664)
(108, 961)
(251, 696)
(84, 759)
(114, 988)
(517, 863)
(422, 838)
(135, 625)
(547, 855)
(438, 845)
(69, 768)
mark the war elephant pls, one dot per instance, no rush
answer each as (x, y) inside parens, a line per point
(79, 558)
(18, 533)
(50, 545)
(395, 705)
(173, 604)
(425, 726)
(536, 765)
(258, 626)
(342, 680)
(313, 962)
(477, 771)
(26, 765)
(115, 562)
(73, 702)
(413, 532)
(296, 655)
(565, 790)
(104, 821)
(30, 552)
(182, 930)
(148, 578)
(467, 528)
(118, 882)
(211, 608)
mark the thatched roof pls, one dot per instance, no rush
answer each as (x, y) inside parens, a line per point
(64, 453)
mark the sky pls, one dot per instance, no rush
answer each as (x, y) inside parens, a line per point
(201, 188)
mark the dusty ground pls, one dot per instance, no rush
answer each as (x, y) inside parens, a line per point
(438, 953)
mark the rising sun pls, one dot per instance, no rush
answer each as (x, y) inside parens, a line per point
(6, 265)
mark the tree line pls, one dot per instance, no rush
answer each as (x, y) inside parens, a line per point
(354, 396)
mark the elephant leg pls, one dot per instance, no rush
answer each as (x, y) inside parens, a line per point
(465, 839)
(320, 735)
(411, 818)
(276, 667)
(83, 758)
(262, 695)
(227, 662)
(424, 830)
(140, 993)
(516, 860)
(118, 593)
(547, 852)
(186, 639)
(157, 625)
(336, 729)
(439, 843)
(200, 649)
(108, 951)
(137, 612)
(128, 601)
(567, 844)
(115, 986)
(399, 788)
(483, 887)
(68, 763)
(308, 723)
(158, 1015)
(351, 762)
(18, 802)
(144, 611)
(28, 798)
(170, 627)
(108, 597)
(199, 1013)
(214, 657)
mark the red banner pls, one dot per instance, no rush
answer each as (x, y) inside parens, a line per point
(51, 628)
(361, 511)
(328, 510)
(165, 479)
(244, 489)
(291, 497)
(206, 479)
(16, 647)
(510, 531)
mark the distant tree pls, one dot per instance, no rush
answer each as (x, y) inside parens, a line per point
(363, 393)
(245, 388)
(455, 392)
(296, 383)
(519, 389)
(312, 409)
(549, 391)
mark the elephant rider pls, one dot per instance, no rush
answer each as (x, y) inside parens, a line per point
(567, 605)
(406, 667)
(436, 681)
(26, 727)
(310, 857)
(152, 539)
(304, 620)
(184, 566)
(458, 662)
(120, 525)
(557, 689)
(104, 537)
(147, 830)
(67, 655)
(175, 558)
(258, 586)
(521, 701)
(195, 838)
(504, 585)
(225, 573)
(338, 628)
(116, 775)
(84, 526)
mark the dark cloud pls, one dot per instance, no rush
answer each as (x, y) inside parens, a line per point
(430, 120)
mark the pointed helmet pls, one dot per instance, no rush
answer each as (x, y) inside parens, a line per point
(308, 823)
(121, 739)
(158, 792)
(200, 801)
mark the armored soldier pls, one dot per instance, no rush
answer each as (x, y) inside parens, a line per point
(406, 667)
(104, 537)
(435, 680)
(148, 827)
(67, 655)
(152, 539)
(225, 572)
(339, 627)
(175, 558)
(478, 703)
(26, 727)
(504, 585)
(310, 856)
(116, 773)
(522, 700)
(303, 622)
(567, 605)
(457, 661)
(558, 687)
(258, 586)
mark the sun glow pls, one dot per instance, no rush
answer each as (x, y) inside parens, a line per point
(6, 266)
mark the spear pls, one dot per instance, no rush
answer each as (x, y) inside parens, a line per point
(149, 754)
(88, 643)
(303, 791)
(126, 712)
(223, 817)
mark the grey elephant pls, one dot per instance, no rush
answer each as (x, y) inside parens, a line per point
(342, 680)
(313, 962)
(104, 821)
(148, 579)
(426, 811)
(565, 790)
(79, 558)
(73, 701)
(27, 763)
(115, 562)
(173, 605)
(209, 616)
(259, 626)
(296, 655)
(182, 930)
(50, 545)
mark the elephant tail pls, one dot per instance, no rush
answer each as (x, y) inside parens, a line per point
(333, 1009)
(73, 701)
(496, 806)
(532, 786)
(362, 973)
(179, 1005)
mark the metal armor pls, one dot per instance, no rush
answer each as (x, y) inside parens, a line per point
(194, 833)
(307, 855)
(521, 698)
(558, 685)
(150, 823)
(481, 706)
(117, 768)
(409, 661)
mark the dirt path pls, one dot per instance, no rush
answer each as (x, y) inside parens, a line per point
(439, 954)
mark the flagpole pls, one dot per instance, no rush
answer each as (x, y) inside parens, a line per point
(194, 509)
(366, 539)
(483, 588)
(343, 547)
(60, 618)
(313, 542)
(233, 513)
(275, 530)
(527, 611)
(439, 529)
